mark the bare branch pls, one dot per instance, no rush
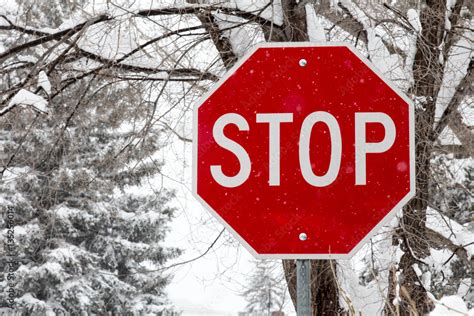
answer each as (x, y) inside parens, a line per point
(438, 241)
(118, 63)
(222, 43)
(247, 15)
(348, 23)
(459, 151)
(464, 88)
(462, 132)
(174, 264)
(294, 21)
(450, 36)
(351, 25)
(53, 36)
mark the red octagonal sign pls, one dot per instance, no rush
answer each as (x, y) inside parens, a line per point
(303, 150)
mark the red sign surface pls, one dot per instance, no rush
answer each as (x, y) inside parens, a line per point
(303, 151)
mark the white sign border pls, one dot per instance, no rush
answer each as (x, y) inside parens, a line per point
(383, 222)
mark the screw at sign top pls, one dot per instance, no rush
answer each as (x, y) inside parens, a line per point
(303, 62)
(303, 236)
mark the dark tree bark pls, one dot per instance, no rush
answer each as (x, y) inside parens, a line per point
(324, 288)
(428, 74)
(411, 235)
(222, 43)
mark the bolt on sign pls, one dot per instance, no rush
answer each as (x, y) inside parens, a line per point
(303, 150)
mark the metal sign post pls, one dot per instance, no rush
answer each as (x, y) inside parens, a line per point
(303, 287)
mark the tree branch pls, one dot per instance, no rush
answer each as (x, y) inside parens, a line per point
(247, 15)
(465, 87)
(450, 34)
(351, 25)
(222, 43)
(179, 72)
(51, 37)
(462, 132)
(459, 151)
(116, 63)
(438, 241)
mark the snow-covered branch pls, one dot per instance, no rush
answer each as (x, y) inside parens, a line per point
(47, 37)
(463, 88)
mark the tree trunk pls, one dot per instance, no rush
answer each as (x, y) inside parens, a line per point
(324, 289)
(411, 235)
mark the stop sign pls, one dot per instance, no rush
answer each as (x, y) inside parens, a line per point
(303, 150)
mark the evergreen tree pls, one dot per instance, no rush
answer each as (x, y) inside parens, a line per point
(71, 166)
(67, 172)
(84, 242)
(266, 288)
(462, 203)
(451, 190)
(452, 187)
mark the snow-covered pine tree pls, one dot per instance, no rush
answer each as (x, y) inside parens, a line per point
(425, 49)
(452, 187)
(73, 152)
(451, 190)
(84, 241)
(266, 288)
